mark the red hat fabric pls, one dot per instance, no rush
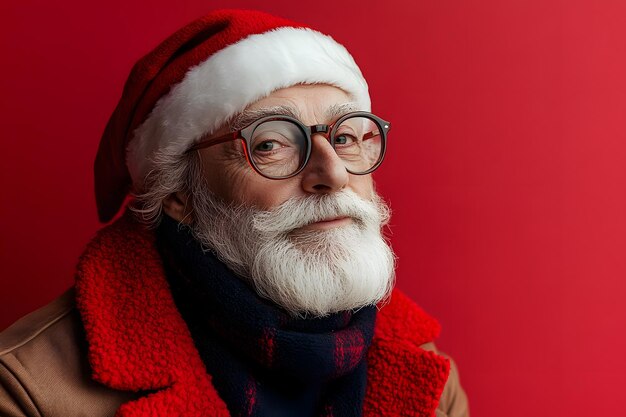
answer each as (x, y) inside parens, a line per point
(199, 78)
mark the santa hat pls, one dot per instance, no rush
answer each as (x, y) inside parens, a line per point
(199, 78)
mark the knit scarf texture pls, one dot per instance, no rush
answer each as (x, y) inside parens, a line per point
(263, 361)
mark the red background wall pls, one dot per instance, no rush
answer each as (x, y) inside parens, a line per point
(506, 172)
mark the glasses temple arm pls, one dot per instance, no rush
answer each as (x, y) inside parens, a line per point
(205, 143)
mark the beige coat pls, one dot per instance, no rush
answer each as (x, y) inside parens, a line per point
(44, 370)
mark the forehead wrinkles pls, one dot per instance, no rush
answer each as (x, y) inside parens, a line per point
(248, 116)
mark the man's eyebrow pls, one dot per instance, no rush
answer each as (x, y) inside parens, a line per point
(248, 116)
(337, 110)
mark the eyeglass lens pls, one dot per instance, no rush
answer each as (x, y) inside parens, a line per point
(278, 148)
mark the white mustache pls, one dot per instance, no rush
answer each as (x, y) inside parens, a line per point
(301, 211)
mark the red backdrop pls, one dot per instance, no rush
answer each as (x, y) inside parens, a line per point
(506, 172)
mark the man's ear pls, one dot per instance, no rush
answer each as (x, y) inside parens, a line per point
(176, 206)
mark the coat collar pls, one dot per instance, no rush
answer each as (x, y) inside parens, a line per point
(138, 340)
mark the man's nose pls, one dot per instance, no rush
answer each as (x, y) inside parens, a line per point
(325, 172)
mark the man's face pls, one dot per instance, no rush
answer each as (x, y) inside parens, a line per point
(311, 243)
(230, 177)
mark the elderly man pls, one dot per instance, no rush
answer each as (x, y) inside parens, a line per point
(249, 276)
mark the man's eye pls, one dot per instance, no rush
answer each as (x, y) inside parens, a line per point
(344, 139)
(266, 146)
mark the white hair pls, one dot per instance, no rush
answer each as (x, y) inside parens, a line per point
(171, 173)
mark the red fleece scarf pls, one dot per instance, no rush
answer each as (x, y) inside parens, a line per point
(139, 341)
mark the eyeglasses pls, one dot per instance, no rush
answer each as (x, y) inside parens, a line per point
(279, 147)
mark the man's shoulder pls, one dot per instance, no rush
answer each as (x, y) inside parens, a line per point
(403, 321)
(39, 325)
(44, 368)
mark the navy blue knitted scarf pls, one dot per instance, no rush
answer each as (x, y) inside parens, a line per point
(263, 361)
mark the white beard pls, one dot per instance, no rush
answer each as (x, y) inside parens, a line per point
(306, 272)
